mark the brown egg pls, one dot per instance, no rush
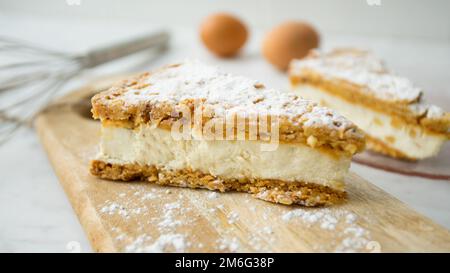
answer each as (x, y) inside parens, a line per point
(223, 34)
(290, 40)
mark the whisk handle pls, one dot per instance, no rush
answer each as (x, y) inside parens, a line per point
(102, 55)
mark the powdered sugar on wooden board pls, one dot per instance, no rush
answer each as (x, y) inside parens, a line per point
(352, 237)
(172, 219)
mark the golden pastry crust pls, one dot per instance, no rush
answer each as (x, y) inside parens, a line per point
(276, 191)
(410, 109)
(114, 107)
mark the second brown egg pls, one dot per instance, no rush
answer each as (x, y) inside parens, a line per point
(290, 40)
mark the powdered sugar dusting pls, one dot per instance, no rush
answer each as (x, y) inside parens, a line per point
(165, 241)
(149, 218)
(174, 242)
(168, 220)
(321, 116)
(213, 195)
(233, 217)
(351, 238)
(112, 208)
(231, 245)
(362, 68)
(434, 111)
(225, 94)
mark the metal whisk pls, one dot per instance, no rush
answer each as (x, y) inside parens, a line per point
(30, 75)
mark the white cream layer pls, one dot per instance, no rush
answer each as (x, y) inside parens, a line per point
(419, 144)
(147, 145)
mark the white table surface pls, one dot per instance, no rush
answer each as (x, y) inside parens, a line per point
(35, 215)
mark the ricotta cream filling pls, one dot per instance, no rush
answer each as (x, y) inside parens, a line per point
(148, 145)
(409, 139)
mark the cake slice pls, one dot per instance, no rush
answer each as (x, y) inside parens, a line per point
(389, 108)
(190, 125)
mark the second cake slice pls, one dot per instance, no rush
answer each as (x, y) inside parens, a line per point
(389, 108)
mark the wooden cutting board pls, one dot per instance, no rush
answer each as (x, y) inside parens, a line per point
(138, 216)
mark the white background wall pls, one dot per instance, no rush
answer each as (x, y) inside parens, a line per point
(395, 18)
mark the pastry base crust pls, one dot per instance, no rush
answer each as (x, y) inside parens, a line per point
(276, 191)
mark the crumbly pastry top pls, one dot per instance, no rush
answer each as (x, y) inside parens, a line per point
(226, 92)
(363, 69)
(142, 99)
